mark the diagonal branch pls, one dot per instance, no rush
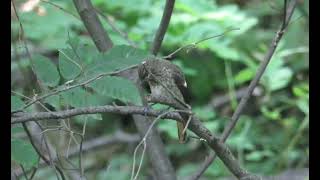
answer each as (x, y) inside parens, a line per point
(161, 165)
(244, 100)
(162, 29)
(93, 25)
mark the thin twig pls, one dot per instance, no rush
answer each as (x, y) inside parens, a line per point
(22, 38)
(107, 18)
(61, 8)
(143, 141)
(170, 56)
(115, 29)
(251, 87)
(49, 162)
(24, 172)
(57, 91)
(162, 29)
(33, 173)
(195, 125)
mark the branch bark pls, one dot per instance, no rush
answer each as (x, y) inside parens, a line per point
(244, 100)
(91, 21)
(195, 125)
(124, 110)
(93, 144)
(102, 41)
(162, 29)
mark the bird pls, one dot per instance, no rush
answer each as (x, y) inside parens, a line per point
(167, 84)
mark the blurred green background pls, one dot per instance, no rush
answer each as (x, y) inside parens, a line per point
(272, 134)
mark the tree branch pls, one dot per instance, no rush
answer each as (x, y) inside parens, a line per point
(195, 125)
(156, 141)
(91, 21)
(162, 29)
(42, 156)
(21, 117)
(96, 143)
(251, 87)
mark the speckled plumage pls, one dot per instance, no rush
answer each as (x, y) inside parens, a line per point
(164, 73)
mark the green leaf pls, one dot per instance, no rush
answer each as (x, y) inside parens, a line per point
(87, 99)
(46, 71)
(118, 88)
(258, 155)
(244, 76)
(78, 97)
(278, 79)
(118, 57)
(23, 153)
(273, 115)
(53, 101)
(301, 90)
(303, 105)
(69, 63)
(16, 103)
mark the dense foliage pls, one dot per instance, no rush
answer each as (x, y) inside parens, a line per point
(272, 134)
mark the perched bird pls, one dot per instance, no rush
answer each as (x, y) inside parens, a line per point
(167, 85)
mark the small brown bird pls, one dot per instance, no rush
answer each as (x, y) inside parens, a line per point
(160, 75)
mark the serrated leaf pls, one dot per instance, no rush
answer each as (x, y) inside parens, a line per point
(23, 153)
(116, 58)
(78, 97)
(117, 88)
(69, 63)
(16, 103)
(72, 98)
(46, 71)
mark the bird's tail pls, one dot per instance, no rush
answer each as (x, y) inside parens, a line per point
(182, 136)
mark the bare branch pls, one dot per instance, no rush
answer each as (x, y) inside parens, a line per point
(49, 162)
(163, 170)
(251, 87)
(195, 125)
(60, 8)
(124, 110)
(144, 143)
(97, 143)
(192, 45)
(91, 21)
(162, 29)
